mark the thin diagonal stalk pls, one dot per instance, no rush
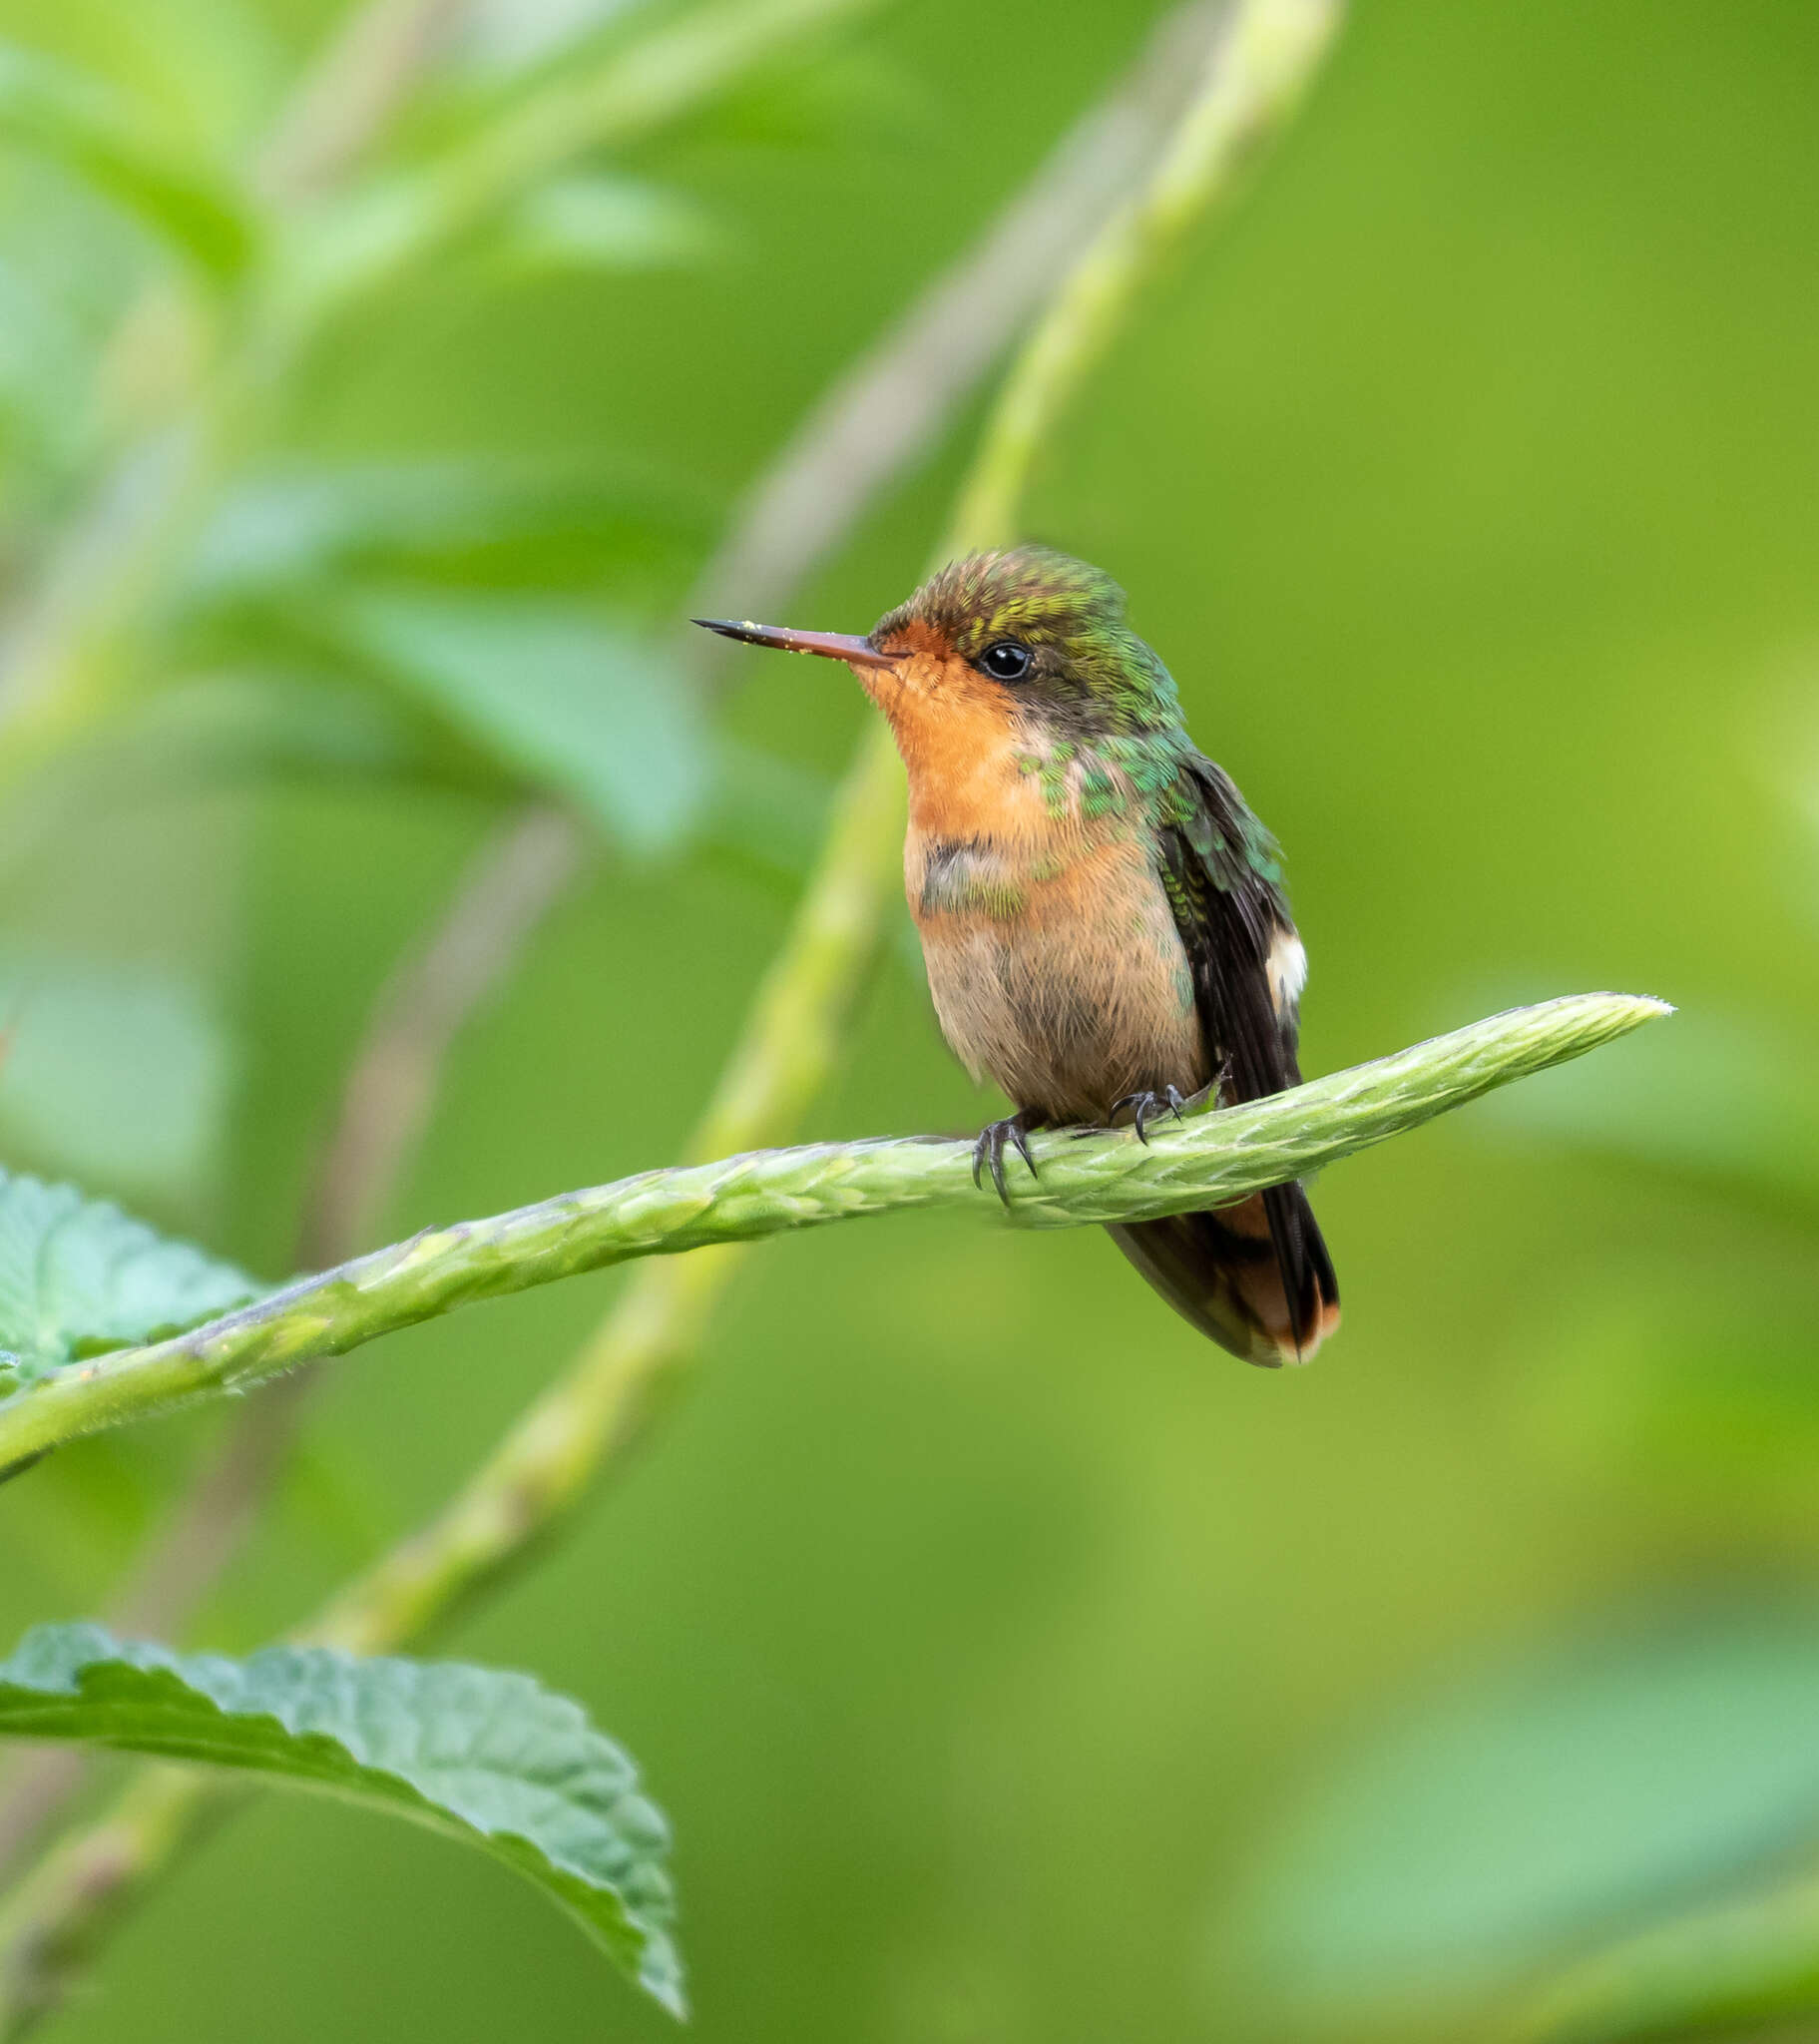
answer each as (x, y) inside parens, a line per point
(881, 414)
(577, 1429)
(890, 408)
(1259, 69)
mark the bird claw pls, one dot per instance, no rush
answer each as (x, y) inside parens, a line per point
(988, 1152)
(1170, 1100)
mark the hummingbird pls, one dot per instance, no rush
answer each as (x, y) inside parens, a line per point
(1103, 921)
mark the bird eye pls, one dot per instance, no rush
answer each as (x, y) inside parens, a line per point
(1007, 660)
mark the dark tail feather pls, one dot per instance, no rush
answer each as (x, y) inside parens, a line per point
(1256, 1278)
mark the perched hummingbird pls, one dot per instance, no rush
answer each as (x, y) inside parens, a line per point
(1103, 918)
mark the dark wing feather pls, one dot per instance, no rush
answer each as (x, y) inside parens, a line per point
(1222, 876)
(1223, 879)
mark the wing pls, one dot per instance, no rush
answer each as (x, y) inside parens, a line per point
(1223, 877)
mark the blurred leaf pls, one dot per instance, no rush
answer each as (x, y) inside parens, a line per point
(568, 697)
(78, 1276)
(1714, 1098)
(485, 1757)
(283, 726)
(69, 264)
(471, 519)
(617, 96)
(502, 38)
(214, 69)
(823, 101)
(117, 1072)
(80, 123)
(601, 223)
(213, 730)
(41, 389)
(1531, 1811)
(1711, 1973)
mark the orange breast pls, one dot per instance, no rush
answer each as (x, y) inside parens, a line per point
(1052, 952)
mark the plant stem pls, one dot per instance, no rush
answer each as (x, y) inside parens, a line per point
(1209, 1160)
(1251, 82)
(59, 1915)
(892, 404)
(889, 406)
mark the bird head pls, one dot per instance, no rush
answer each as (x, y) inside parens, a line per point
(1027, 635)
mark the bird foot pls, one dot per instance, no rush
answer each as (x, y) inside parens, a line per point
(988, 1152)
(1170, 1100)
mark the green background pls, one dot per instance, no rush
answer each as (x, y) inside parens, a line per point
(1013, 1665)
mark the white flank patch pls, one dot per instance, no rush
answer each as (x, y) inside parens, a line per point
(1287, 968)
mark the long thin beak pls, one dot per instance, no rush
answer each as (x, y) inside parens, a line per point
(830, 645)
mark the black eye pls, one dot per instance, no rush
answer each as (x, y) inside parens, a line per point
(1007, 660)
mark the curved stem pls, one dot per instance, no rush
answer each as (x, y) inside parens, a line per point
(1251, 80)
(1209, 1160)
(575, 1431)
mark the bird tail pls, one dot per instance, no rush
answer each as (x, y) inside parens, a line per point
(1256, 1277)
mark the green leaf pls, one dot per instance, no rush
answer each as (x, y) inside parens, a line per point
(281, 726)
(70, 265)
(502, 38)
(599, 223)
(562, 693)
(78, 1276)
(1576, 1797)
(468, 520)
(485, 1757)
(116, 1071)
(80, 123)
(1714, 1972)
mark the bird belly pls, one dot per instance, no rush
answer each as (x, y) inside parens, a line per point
(1061, 978)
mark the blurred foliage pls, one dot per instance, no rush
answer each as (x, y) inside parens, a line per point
(1014, 1668)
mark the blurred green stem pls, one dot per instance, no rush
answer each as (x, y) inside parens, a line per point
(70, 652)
(888, 407)
(1254, 79)
(56, 1918)
(884, 412)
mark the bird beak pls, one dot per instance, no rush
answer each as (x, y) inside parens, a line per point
(829, 645)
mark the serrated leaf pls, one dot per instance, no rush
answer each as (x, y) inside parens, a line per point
(569, 698)
(486, 1756)
(78, 1276)
(82, 124)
